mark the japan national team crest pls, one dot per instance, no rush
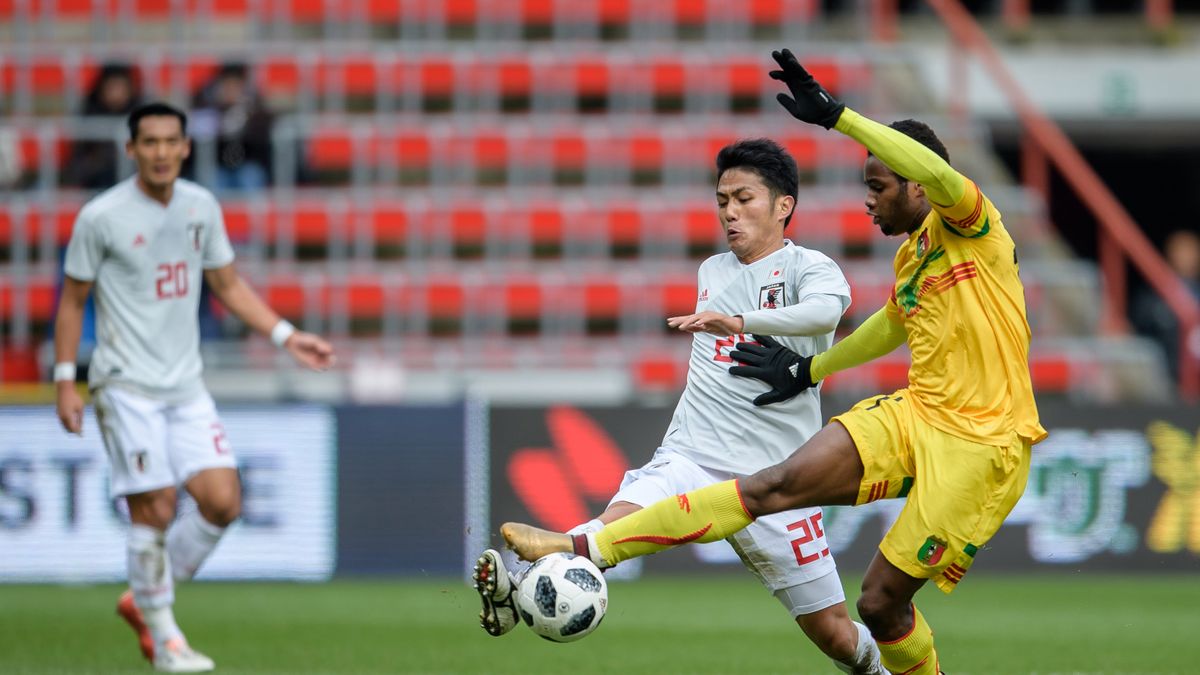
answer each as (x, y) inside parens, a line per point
(931, 551)
(194, 231)
(771, 296)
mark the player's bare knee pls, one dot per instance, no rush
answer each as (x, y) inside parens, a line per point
(881, 611)
(764, 491)
(153, 509)
(222, 510)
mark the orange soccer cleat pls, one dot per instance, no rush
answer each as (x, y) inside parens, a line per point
(129, 611)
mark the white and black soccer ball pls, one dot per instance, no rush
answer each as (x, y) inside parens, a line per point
(563, 597)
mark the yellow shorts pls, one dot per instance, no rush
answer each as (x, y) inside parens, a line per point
(958, 491)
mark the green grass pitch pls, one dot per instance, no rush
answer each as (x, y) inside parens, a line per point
(1064, 623)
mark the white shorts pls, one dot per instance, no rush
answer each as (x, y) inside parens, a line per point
(786, 551)
(154, 445)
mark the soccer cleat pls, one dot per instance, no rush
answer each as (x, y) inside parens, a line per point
(176, 656)
(129, 611)
(532, 543)
(495, 587)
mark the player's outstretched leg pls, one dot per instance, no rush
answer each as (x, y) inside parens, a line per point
(129, 611)
(495, 587)
(531, 543)
(708, 514)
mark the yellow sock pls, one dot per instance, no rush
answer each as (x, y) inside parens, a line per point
(912, 654)
(708, 514)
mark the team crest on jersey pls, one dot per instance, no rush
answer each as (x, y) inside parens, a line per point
(931, 551)
(922, 243)
(194, 231)
(771, 296)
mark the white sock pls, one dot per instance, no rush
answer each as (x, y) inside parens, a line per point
(593, 525)
(189, 542)
(866, 654)
(151, 582)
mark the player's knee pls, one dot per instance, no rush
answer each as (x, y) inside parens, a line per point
(155, 510)
(880, 611)
(222, 510)
(765, 491)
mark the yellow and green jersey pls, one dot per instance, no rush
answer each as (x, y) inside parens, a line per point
(960, 299)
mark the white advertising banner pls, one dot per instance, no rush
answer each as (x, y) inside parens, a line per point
(58, 521)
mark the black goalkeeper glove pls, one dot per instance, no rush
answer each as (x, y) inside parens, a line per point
(809, 101)
(787, 372)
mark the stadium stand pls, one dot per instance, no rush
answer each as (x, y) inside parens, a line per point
(481, 184)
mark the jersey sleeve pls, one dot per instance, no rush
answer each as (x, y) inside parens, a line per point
(85, 250)
(822, 276)
(954, 196)
(218, 252)
(969, 216)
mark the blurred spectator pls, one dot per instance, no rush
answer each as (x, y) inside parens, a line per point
(1151, 315)
(93, 162)
(228, 109)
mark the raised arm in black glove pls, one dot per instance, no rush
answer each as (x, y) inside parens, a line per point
(786, 371)
(809, 101)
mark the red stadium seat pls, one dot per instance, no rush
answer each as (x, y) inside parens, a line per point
(659, 373)
(192, 73)
(37, 293)
(355, 75)
(237, 222)
(602, 299)
(286, 295)
(1051, 373)
(678, 297)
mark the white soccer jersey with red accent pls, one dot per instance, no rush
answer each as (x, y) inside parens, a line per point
(146, 261)
(716, 423)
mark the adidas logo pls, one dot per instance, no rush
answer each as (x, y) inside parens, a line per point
(794, 369)
(139, 241)
(703, 296)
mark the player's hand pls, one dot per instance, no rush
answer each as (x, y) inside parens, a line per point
(765, 359)
(70, 407)
(310, 350)
(809, 101)
(714, 323)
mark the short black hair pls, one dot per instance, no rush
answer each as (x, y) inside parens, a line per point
(769, 160)
(155, 109)
(923, 134)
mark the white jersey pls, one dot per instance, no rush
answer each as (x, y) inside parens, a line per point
(716, 423)
(146, 260)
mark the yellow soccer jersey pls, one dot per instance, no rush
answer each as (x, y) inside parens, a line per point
(961, 301)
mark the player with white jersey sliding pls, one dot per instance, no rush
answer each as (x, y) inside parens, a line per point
(723, 428)
(143, 247)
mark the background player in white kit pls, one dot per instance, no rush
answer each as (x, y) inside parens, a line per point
(142, 245)
(765, 285)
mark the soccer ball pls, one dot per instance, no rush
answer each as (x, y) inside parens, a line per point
(563, 597)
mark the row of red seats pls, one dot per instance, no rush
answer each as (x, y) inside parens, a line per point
(1051, 372)
(524, 153)
(316, 221)
(445, 300)
(287, 77)
(467, 295)
(451, 12)
(640, 149)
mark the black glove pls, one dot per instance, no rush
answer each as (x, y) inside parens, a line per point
(786, 371)
(812, 103)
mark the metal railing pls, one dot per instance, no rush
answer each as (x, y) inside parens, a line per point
(1121, 241)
